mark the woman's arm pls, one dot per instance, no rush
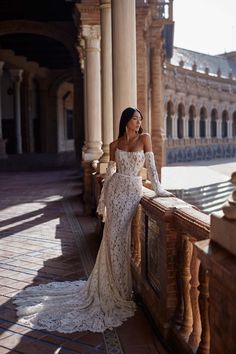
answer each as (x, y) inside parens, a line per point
(151, 168)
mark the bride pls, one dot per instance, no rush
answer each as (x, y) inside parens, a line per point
(104, 300)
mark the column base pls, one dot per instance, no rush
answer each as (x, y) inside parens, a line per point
(103, 162)
(91, 155)
(3, 154)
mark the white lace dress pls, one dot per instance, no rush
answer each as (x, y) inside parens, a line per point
(104, 300)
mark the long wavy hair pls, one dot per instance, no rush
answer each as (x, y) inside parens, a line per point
(126, 115)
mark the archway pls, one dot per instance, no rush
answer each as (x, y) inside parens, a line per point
(202, 122)
(180, 122)
(234, 125)
(192, 115)
(214, 117)
(170, 111)
(224, 124)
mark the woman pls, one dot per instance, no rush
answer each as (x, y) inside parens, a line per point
(104, 300)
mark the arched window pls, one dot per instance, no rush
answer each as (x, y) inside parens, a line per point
(214, 117)
(180, 122)
(234, 125)
(224, 126)
(170, 111)
(202, 122)
(192, 115)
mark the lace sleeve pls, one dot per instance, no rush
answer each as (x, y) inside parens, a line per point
(101, 208)
(153, 176)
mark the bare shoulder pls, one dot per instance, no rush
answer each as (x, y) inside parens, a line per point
(113, 147)
(147, 142)
(145, 137)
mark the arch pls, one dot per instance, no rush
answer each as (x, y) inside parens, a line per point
(214, 117)
(192, 115)
(170, 111)
(224, 124)
(234, 125)
(202, 122)
(180, 122)
(35, 27)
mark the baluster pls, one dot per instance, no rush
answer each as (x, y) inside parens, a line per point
(136, 241)
(186, 327)
(204, 346)
(195, 336)
(179, 264)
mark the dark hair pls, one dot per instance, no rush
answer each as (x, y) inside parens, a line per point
(126, 115)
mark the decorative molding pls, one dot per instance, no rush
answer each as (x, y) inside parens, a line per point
(91, 31)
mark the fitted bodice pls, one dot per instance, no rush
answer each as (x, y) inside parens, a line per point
(129, 163)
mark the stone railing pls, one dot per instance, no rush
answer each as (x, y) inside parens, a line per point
(167, 273)
(184, 271)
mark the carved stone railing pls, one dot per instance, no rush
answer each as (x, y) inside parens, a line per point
(167, 273)
(185, 279)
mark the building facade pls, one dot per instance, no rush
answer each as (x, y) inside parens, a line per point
(200, 106)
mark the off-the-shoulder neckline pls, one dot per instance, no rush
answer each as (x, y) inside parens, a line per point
(130, 151)
(134, 151)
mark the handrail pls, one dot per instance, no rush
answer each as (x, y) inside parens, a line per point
(166, 270)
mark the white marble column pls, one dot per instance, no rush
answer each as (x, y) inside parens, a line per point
(208, 127)
(229, 129)
(16, 75)
(106, 66)
(219, 128)
(91, 34)
(2, 141)
(123, 58)
(174, 126)
(185, 127)
(197, 127)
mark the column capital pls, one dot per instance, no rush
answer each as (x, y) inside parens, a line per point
(105, 4)
(92, 36)
(16, 74)
(91, 31)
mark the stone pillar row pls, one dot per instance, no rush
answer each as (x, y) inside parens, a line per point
(110, 87)
(16, 75)
(2, 141)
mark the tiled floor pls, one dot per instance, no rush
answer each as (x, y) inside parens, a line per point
(44, 236)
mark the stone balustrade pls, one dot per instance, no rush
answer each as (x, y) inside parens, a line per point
(167, 273)
(185, 280)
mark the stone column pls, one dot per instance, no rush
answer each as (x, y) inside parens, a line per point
(185, 127)
(91, 35)
(16, 75)
(219, 128)
(106, 65)
(123, 58)
(2, 141)
(229, 128)
(165, 124)
(208, 127)
(196, 127)
(157, 105)
(174, 126)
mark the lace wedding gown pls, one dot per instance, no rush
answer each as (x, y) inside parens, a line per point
(104, 300)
